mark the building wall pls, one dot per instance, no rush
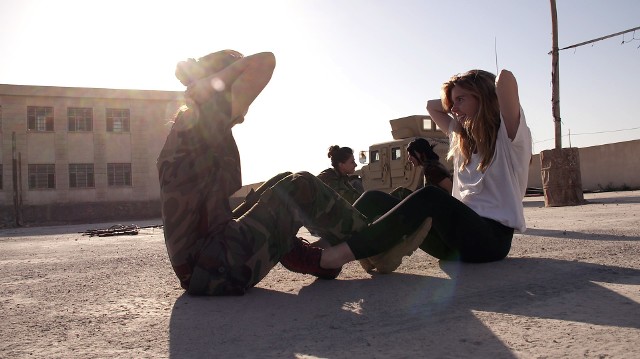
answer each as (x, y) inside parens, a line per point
(610, 166)
(613, 165)
(603, 167)
(149, 115)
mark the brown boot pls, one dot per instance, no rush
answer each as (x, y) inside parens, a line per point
(366, 264)
(390, 260)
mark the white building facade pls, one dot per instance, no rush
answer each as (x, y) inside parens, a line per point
(81, 154)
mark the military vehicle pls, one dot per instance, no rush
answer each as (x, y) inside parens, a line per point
(388, 164)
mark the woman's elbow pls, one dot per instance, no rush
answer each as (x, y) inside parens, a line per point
(267, 59)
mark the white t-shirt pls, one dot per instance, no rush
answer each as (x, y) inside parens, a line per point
(497, 193)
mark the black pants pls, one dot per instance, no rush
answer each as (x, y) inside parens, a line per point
(457, 232)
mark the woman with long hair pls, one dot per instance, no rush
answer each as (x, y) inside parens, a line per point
(490, 145)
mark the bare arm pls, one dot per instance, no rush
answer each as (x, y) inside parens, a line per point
(446, 184)
(255, 74)
(247, 78)
(509, 100)
(441, 118)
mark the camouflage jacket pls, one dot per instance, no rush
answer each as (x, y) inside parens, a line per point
(340, 184)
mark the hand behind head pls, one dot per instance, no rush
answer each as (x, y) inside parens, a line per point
(191, 70)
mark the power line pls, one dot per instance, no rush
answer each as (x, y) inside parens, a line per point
(590, 133)
(601, 38)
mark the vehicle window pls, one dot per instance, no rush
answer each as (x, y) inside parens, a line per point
(375, 156)
(396, 153)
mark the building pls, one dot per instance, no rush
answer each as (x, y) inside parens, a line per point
(81, 154)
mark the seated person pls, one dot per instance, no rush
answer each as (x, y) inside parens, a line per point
(340, 175)
(435, 174)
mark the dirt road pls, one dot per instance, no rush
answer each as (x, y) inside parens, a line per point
(570, 288)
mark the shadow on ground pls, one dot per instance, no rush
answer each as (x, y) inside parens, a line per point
(401, 315)
(557, 233)
(539, 201)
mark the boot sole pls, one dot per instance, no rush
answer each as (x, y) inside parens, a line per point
(389, 261)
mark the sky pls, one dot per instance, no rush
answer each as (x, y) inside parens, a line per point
(344, 67)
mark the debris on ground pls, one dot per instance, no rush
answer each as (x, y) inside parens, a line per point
(117, 230)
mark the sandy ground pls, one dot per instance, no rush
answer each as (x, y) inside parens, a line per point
(570, 288)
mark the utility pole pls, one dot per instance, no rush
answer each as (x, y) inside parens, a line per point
(561, 178)
(555, 76)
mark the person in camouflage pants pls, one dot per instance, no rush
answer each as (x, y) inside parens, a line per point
(214, 250)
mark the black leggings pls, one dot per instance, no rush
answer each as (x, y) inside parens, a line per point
(457, 232)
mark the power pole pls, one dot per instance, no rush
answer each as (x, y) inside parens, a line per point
(561, 178)
(555, 76)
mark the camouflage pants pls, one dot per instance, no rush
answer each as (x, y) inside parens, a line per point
(229, 260)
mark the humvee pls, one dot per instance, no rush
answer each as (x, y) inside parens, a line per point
(388, 163)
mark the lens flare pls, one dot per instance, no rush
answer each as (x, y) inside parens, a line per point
(217, 84)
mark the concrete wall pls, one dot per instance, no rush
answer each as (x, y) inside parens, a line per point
(610, 166)
(604, 167)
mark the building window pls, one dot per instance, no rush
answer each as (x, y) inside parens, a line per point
(81, 175)
(80, 119)
(42, 176)
(117, 120)
(40, 118)
(119, 174)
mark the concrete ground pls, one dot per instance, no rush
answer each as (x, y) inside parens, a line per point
(569, 288)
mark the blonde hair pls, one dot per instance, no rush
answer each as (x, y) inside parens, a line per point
(480, 130)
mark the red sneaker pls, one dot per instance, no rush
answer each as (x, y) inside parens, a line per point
(305, 258)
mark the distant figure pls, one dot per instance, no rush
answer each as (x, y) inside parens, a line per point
(420, 153)
(435, 173)
(340, 176)
(363, 157)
